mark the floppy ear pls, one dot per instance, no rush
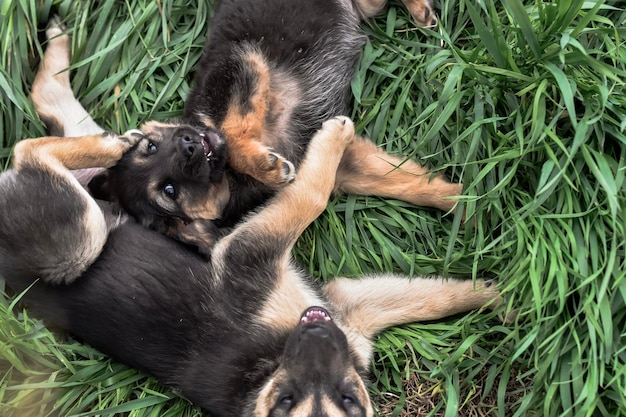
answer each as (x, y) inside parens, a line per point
(100, 186)
(200, 233)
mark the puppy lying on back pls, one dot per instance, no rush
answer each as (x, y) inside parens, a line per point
(246, 333)
(271, 74)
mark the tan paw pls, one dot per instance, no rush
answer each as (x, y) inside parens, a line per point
(423, 12)
(132, 136)
(55, 28)
(340, 128)
(120, 144)
(274, 170)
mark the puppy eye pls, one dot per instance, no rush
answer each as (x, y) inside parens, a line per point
(286, 400)
(347, 399)
(152, 148)
(170, 191)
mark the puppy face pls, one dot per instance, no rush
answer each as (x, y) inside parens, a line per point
(317, 375)
(172, 178)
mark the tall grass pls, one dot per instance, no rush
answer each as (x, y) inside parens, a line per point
(524, 101)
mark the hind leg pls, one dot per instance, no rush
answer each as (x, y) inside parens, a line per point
(52, 92)
(422, 10)
(51, 227)
(54, 99)
(369, 305)
(244, 125)
(366, 170)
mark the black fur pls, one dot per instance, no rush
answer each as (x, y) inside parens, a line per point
(46, 227)
(219, 331)
(313, 43)
(149, 302)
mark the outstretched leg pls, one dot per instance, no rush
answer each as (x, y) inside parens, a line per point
(291, 211)
(52, 92)
(265, 239)
(369, 305)
(421, 10)
(54, 99)
(367, 170)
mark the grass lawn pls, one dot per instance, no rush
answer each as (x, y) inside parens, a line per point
(524, 101)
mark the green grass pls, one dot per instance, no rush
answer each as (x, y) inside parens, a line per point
(525, 103)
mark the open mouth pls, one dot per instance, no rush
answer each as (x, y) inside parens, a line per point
(211, 143)
(206, 146)
(314, 315)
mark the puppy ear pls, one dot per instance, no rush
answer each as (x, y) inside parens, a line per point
(100, 186)
(199, 233)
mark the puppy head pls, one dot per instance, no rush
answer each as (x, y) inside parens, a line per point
(172, 178)
(317, 376)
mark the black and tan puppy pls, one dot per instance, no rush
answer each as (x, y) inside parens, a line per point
(245, 334)
(271, 73)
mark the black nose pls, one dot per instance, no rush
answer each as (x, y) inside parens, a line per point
(188, 146)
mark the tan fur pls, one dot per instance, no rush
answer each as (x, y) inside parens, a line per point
(75, 153)
(152, 128)
(52, 93)
(244, 132)
(290, 297)
(303, 201)
(305, 408)
(370, 305)
(362, 392)
(367, 170)
(268, 396)
(421, 10)
(211, 207)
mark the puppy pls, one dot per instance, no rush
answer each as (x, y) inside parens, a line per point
(246, 333)
(271, 73)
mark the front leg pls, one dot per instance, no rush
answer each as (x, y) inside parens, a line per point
(63, 154)
(279, 224)
(244, 125)
(263, 242)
